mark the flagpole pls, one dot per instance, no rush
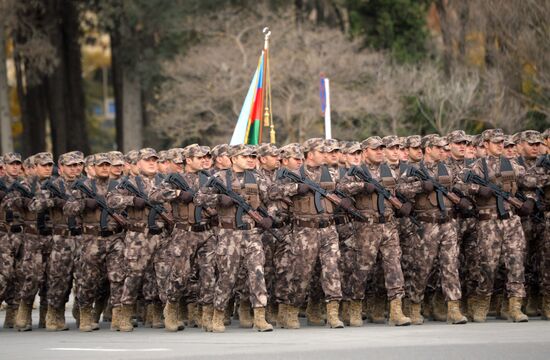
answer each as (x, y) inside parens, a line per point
(268, 113)
(328, 127)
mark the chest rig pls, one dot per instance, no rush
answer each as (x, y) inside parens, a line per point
(312, 204)
(248, 190)
(187, 212)
(435, 200)
(375, 202)
(503, 176)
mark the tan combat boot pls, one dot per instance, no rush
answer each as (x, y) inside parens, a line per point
(481, 308)
(51, 319)
(217, 321)
(396, 314)
(228, 313)
(171, 316)
(271, 311)
(125, 320)
(314, 314)
(291, 318)
(416, 314)
(378, 313)
(439, 308)
(355, 313)
(61, 324)
(182, 314)
(99, 307)
(546, 308)
(115, 318)
(23, 319)
(471, 304)
(86, 319)
(344, 312)
(533, 304)
(260, 323)
(76, 314)
(156, 319)
(454, 316)
(514, 310)
(192, 310)
(406, 303)
(503, 313)
(207, 313)
(427, 310)
(282, 315)
(245, 318)
(332, 315)
(11, 313)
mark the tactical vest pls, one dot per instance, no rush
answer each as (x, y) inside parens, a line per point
(304, 205)
(138, 215)
(187, 212)
(56, 214)
(505, 179)
(92, 217)
(368, 203)
(27, 215)
(428, 202)
(249, 192)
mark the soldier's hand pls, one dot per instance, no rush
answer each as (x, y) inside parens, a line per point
(527, 208)
(427, 186)
(345, 203)
(303, 189)
(225, 201)
(405, 210)
(266, 223)
(465, 204)
(369, 188)
(91, 204)
(485, 192)
(59, 203)
(185, 197)
(139, 203)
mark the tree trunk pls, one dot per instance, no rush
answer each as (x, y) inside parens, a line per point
(116, 68)
(6, 141)
(132, 112)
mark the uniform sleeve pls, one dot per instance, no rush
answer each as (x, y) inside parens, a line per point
(42, 201)
(350, 186)
(119, 199)
(75, 205)
(207, 196)
(408, 186)
(526, 178)
(164, 192)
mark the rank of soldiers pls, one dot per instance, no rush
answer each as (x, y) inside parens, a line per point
(400, 230)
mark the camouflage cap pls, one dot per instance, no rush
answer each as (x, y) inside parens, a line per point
(413, 141)
(43, 158)
(117, 158)
(268, 150)
(433, 140)
(89, 160)
(493, 135)
(469, 139)
(102, 158)
(456, 136)
(147, 153)
(175, 155)
(402, 142)
(29, 162)
(11, 157)
(162, 156)
(220, 150)
(477, 140)
(531, 136)
(332, 144)
(546, 134)
(373, 142)
(351, 147)
(314, 144)
(131, 157)
(71, 158)
(243, 149)
(195, 150)
(509, 140)
(1, 161)
(293, 150)
(391, 140)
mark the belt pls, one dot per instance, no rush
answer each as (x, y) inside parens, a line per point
(60, 231)
(137, 228)
(493, 216)
(314, 224)
(193, 227)
(98, 232)
(434, 219)
(31, 230)
(376, 219)
(235, 227)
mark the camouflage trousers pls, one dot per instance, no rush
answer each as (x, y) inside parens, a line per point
(469, 255)
(374, 239)
(408, 235)
(236, 247)
(33, 275)
(60, 270)
(348, 257)
(10, 252)
(100, 257)
(140, 248)
(191, 273)
(501, 241)
(534, 234)
(437, 241)
(278, 264)
(545, 257)
(313, 244)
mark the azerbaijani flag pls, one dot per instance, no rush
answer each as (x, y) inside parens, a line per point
(249, 125)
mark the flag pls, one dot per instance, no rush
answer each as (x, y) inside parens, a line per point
(324, 94)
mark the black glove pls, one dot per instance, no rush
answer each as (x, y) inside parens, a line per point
(139, 203)
(405, 210)
(91, 204)
(185, 197)
(427, 186)
(346, 203)
(369, 188)
(527, 208)
(485, 192)
(266, 223)
(303, 189)
(225, 201)
(465, 205)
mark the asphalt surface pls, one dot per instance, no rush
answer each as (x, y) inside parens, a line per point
(495, 339)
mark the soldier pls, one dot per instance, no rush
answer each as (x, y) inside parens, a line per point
(239, 238)
(376, 234)
(391, 145)
(438, 239)
(2, 170)
(220, 156)
(500, 236)
(546, 137)
(11, 239)
(479, 145)
(470, 153)
(89, 166)
(510, 150)
(163, 163)
(176, 160)
(130, 165)
(50, 199)
(142, 240)
(29, 169)
(192, 241)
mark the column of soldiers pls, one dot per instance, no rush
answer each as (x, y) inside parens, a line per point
(452, 228)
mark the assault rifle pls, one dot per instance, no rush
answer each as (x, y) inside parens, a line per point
(56, 192)
(106, 210)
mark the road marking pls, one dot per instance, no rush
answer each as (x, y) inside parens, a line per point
(109, 350)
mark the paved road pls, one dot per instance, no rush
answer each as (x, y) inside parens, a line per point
(493, 340)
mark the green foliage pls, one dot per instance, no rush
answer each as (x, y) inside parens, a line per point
(396, 25)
